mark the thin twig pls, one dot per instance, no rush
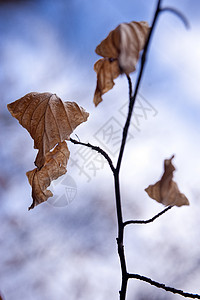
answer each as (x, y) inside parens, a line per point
(178, 14)
(130, 86)
(164, 287)
(149, 220)
(133, 99)
(96, 148)
(121, 224)
(77, 137)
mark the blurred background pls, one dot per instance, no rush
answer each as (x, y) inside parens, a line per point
(66, 248)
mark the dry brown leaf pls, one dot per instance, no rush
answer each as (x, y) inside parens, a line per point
(48, 119)
(166, 190)
(110, 46)
(124, 43)
(106, 71)
(54, 166)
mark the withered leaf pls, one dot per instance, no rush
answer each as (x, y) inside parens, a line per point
(54, 166)
(120, 50)
(106, 71)
(166, 190)
(124, 43)
(110, 46)
(48, 119)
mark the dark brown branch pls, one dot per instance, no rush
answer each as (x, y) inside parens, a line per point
(149, 220)
(132, 100)
(119, 160)
(178, 14)
(122, 292)
(164, 287)
(120, 238)
(116, 171)
(96, 148)
(130, 86)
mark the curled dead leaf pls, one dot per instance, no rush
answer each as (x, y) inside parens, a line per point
(110, 46)
(106, 70)
(120, 50)
(48, 119)
(124, 43)
(166, 190)
(54, 167)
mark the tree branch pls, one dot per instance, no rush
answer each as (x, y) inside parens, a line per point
(164, 287)
(178, 14)
(130, 86)
(133, 98)
(96, 148)
(149, 220)
(120, 238)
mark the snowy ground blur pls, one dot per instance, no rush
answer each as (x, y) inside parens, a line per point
(66, 249)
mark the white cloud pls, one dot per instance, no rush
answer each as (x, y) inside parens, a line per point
(179, 50)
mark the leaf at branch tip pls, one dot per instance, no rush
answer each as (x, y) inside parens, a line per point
(48, 119)
(106, 70)
(120, 50)
(124, 43)
(166, 190)
(54, 167)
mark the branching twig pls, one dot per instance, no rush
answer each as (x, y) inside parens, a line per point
(149, 220)
(164, 287)
(132, 100)
(96, 148)
(121, 225)
(177, 13)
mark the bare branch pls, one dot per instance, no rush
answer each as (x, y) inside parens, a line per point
(98, 149)
(133, 98)
(178, 14)
(164, 287)
(119, 160)
(130, 86)
(149, 220)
